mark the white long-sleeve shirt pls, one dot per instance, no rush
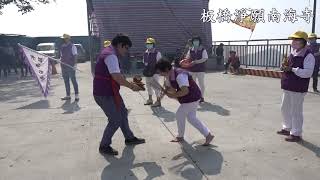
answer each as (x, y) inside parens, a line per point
(308, 65)
(202, 60)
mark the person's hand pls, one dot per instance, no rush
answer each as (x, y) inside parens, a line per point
(135, 87)
(171, 94)
(287, 68)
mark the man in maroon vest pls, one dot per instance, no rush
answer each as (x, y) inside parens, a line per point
(68, 53)
(106, 87)
(198, 55)
(295, 83)
(314, 47)
(182, 87)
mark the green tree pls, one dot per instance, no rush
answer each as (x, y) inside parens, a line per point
(24, 6)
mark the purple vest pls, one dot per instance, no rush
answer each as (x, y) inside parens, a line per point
(102, 82)
(292, 82)
(150, 58)
(196, 55)
(194, 91)
(66, 54)
(314, 48)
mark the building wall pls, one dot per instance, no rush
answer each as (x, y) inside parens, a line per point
(170, 22)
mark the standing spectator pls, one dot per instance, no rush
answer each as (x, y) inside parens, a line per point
(198, 55)
(219, 52)
(295, 82)
(314, 47)
(68, 56)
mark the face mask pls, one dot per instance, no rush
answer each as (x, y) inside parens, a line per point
(149, 46)
(313, 41)
(196, 43)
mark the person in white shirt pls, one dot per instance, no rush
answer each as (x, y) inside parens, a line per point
(198, 55)
(150, 57)
(181, 86)
(295, 83)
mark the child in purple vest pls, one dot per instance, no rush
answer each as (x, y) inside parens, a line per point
(150, 58)
(314, 48)
(182, 87)
(198, 56)
(295, 82)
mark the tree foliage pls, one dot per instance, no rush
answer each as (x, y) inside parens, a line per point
(24, 6)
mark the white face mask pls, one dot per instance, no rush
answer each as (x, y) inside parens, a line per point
(149, 46)
(196, 43)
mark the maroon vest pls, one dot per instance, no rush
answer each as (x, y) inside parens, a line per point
(103, 84)
(292, 82)
(196, 55)
(194, 91)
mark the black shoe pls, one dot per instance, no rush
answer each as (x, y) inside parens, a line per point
(293, 138)
(77, 99)
(134, 141)
(67, 98)
(108, 151)
(284, 132)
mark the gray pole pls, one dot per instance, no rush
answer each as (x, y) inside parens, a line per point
(314, 16)
(89, 32)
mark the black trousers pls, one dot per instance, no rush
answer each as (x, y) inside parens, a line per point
(315, 78)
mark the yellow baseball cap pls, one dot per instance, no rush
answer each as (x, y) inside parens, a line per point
(299, 35)
(312, 35)
(150, 41)
(65, 36)
(106, 43)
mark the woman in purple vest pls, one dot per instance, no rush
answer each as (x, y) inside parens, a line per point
(181, 86)
(106, 87)
(150, 58)
(198, 56)
(295, 83)
(314, 47)
(68, 56)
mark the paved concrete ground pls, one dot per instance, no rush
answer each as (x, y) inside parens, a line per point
(48, 139)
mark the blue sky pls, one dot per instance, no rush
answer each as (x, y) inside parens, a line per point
(58, 18)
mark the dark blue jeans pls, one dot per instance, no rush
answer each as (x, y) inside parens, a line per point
(67, 74)
(117, 118)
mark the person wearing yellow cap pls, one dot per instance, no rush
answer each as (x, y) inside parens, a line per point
(295, 82)
(106, 43)
(150, 57)
(314, 47)
(68, 53)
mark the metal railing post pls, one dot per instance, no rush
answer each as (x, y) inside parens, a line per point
(267, 60)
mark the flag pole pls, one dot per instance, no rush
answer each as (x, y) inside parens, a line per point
(49, 57)
(250, 35)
